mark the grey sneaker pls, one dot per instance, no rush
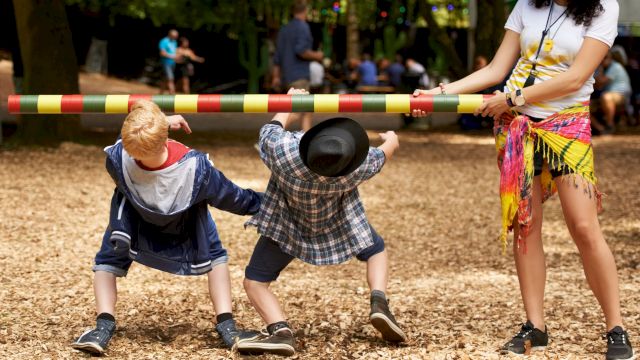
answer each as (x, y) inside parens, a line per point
(527, 339)
(279, 341)
(230, 334)
(95, 341)
(618, 345)
(382, 319)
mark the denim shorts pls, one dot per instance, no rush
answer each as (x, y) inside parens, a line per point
(112, 258)
(267, 260)
(169, 70)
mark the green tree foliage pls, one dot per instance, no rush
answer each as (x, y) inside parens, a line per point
(193, 14)
(390, 44)
(490, 29)
(253, 55)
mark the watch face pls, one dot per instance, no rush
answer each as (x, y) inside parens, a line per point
(520, 100)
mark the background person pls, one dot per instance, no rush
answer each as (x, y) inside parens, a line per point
(566, 40)
(366, 71)
(416, 69)
(168, 47)
(616, 91)
(395, 71)
(293, 55)
(185, 57)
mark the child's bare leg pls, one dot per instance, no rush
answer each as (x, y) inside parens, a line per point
(106, 292)
(264, 301)
(220, 288)
(378, 271)
(377, 277)
(96, 340)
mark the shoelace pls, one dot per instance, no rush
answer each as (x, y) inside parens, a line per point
(524, 331)
(615, 338)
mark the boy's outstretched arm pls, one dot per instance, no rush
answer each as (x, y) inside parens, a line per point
(223, 194)
(390, 144)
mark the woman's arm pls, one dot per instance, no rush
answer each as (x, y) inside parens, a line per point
(585, 64)
(492, 74)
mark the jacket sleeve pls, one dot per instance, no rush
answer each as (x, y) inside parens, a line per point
(223, 194)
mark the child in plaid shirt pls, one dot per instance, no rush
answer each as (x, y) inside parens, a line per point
(312, 211)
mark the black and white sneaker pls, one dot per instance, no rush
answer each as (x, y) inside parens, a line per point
(382, 319)
(95, 341)
(527, 339)
(230, 334)
(618, 345)
(277, 340)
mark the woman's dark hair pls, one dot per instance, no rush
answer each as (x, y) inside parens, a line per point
(581, 11)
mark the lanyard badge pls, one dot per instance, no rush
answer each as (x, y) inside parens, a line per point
(545, 44)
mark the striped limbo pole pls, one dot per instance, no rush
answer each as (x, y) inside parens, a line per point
(253, 103)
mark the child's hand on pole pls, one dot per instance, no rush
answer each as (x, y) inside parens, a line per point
(293, 91)
(283, 118)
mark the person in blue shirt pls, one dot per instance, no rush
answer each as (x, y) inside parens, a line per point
(616, 91)
(392, 72)
(168, 47)
(367, 72)
(294, 53)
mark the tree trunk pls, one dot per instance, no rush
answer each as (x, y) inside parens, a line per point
(353, 38)
(50, 67)
(489, 37)
(441, 38)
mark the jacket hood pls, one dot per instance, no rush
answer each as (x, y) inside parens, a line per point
(160, 196)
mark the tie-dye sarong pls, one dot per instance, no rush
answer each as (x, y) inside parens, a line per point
(563, 138)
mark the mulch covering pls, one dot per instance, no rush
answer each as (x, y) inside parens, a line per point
(436, 204)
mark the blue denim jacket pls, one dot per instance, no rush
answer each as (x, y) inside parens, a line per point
(181, 241)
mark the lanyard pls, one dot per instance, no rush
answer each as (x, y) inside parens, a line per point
(532, 75)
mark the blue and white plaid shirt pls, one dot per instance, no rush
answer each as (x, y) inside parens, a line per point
(318, 219)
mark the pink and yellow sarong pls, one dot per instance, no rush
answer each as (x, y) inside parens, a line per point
(562, 137)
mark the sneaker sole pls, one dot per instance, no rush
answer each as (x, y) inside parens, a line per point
(534, 348)
(390, 331)
(278, 349)
(633, 357)
(88, 347)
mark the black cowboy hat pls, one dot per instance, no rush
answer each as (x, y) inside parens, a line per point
(335, 147)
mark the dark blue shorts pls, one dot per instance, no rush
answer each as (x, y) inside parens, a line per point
(559, 168)
(267, 260)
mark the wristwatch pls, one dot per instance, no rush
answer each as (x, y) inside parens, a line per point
(519, 99)
(509, 101)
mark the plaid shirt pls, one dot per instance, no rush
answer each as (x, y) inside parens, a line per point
(317, 219)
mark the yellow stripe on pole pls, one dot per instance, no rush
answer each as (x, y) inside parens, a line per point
(469, 103)
(326, 103)
(398, 103)
(256, 103)
(50, 104)
(116, 104)
(186, 104)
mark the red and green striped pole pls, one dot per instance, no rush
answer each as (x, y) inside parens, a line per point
(251, 103)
